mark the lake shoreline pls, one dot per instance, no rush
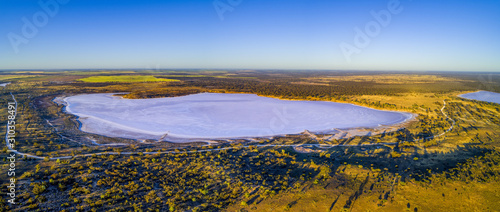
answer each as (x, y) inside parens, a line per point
(98, 124)
(485, 96)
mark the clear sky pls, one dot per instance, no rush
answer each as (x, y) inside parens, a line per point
(449, 35)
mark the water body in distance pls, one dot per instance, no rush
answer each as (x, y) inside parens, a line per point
(217, 115)
(4, 84)
(483, 96)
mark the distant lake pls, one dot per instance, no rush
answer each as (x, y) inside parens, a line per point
(217, 115)
(483, 96)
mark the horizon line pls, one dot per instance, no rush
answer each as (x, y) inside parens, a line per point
(237, 69)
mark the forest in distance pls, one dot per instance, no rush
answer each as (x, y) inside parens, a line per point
(447, 157)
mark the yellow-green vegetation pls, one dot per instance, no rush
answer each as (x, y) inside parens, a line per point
(387, 79)
(408, 171)
(11, 77)
(126, 78)
(351, 188)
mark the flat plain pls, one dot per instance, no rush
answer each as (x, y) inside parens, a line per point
(447, 158)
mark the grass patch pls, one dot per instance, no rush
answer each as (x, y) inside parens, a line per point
(133, 78)
(14, 77)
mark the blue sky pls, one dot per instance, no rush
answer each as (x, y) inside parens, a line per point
(254, 34)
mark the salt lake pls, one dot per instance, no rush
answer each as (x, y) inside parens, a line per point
(483, 96)
(218, 115)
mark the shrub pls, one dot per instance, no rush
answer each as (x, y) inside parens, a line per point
(38, 189)
(395, 154)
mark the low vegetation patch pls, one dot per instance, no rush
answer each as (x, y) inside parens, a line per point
(132, 78)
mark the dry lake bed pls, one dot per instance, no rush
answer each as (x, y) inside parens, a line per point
(217, 116)
(483, 96)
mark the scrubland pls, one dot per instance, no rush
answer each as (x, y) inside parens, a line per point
(457, 171)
